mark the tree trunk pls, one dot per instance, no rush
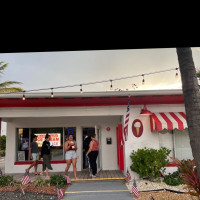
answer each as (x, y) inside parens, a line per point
(0, 137)
(191, 99)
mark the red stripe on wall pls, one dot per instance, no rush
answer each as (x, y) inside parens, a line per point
(93, 101)
(180, 123)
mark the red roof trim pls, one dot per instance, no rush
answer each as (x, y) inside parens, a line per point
(92, 101)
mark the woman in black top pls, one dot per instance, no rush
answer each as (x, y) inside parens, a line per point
(46, 156)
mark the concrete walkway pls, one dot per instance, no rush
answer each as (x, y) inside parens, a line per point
(98, 190)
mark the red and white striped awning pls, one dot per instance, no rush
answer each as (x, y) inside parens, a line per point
(168, 120)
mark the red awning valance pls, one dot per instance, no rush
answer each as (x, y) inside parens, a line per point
(168, 120)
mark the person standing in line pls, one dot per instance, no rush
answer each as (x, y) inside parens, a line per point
(86, 143)
(92, 154)
(70, 155)
(46, 156)
(34, 155)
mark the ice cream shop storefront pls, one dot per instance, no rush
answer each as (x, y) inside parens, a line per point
(104, 113)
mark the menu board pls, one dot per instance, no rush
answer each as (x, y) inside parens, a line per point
(55, 139)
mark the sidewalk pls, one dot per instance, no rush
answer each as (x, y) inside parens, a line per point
(98, 190)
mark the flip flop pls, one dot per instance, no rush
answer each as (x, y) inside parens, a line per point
(37, 174)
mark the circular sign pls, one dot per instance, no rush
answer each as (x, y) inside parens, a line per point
(137, 128)
(108, 128)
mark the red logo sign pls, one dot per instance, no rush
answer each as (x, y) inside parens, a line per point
(108, 128)
(137, 128)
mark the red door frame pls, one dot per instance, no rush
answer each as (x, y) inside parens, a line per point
(120, 149)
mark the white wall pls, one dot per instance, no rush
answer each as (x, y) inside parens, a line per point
(109, 152)
(148, 139)
(85, 117)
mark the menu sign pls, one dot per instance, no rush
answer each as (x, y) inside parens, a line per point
(55, 139)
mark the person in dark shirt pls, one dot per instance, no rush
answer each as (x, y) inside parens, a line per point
(46, 156)
(86, 143)
(33, 151)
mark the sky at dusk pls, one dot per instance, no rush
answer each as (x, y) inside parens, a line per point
(53, 69)
(38, 70)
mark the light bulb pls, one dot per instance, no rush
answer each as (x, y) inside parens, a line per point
(51, 92)
(143, 81)
(23, 98)
(111, 87)
(176, 76)
(81, 90)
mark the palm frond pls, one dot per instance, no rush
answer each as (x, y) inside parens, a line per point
(11, 90)
(8, 83)
(198, 73)
(3, 66)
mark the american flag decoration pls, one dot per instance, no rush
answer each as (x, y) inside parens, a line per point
(134, 189)
(162, 174)
(25, 179)
(125, 132)
(59, 192)
(67, 178)
(128, 177)
(151, 198)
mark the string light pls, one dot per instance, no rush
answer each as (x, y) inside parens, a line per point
(81, 90)
(23, 98)
(51, 92)
(176, 73)
(111, 87)
(92, 83)
(143, 79)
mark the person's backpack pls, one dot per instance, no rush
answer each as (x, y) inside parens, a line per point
(86, 143)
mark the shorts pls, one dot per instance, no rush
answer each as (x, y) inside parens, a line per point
(70, 154)
(35, 156)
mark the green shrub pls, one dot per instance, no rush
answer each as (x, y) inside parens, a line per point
(40, 182)
(58, 179)
(173, 179)
(5, 180)
(3, 142)
(148, 162)
(2, 152)
(188, 173)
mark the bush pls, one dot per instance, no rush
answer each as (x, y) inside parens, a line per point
(58, 179)
(40, 182)
(173, 179)
(5, 180)
(3, 142)
(188, 173)
(2, 152)
(148, 162)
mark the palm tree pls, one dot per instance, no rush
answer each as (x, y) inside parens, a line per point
(191, 99)
(5, 86)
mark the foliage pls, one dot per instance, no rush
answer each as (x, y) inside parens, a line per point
(40, 182)
(5, 180)
(5, 86)
(148, 162)
(58, 179)
(188, 172)
(3, 142)
(2, 152)
(173, 179)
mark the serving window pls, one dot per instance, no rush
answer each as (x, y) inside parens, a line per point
(58, 136)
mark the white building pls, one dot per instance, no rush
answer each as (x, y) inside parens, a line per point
(100, 112)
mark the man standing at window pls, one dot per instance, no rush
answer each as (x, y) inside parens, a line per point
(33, 151)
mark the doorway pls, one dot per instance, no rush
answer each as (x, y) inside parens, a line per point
(87, 132)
